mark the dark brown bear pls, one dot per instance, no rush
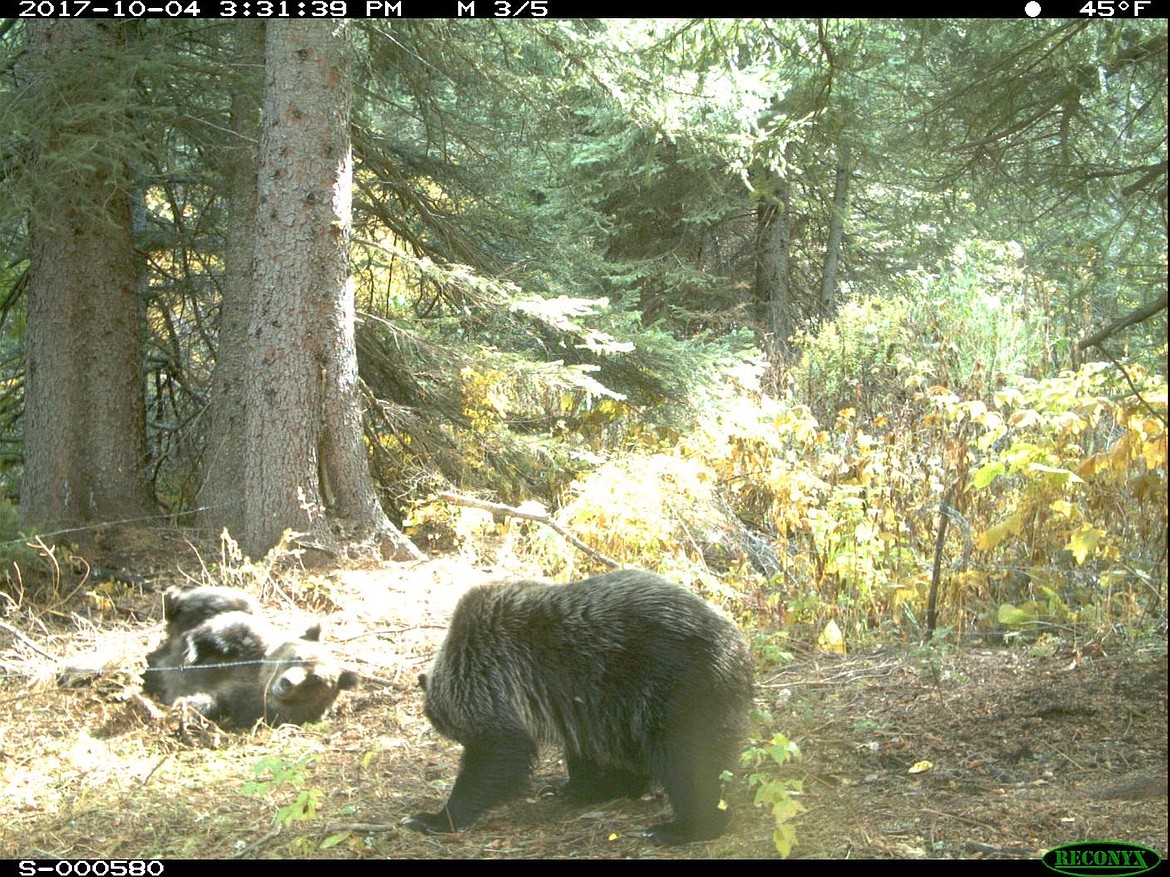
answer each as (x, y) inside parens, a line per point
(636, 678)
(235, 667)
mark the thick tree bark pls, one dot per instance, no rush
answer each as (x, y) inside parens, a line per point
(773, 285)
(305, 465)
(84, 425)
(222, 496)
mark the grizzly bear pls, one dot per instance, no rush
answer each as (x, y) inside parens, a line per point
(636, 678)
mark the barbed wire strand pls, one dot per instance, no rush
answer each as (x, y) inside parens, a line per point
(162, 516)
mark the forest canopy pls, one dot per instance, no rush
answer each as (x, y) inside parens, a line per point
(765, 304)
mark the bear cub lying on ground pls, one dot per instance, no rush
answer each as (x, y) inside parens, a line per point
(235, 667)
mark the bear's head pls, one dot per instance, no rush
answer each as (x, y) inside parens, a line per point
(303, 681)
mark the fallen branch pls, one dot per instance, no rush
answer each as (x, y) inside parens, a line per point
(28, 642)
(542, 518)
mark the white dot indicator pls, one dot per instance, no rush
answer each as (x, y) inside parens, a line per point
(1032, 9)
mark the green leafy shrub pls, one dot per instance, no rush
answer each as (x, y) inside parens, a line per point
(972, 326)
(763, 759)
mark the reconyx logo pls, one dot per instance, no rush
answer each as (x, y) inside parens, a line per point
(1106, 857)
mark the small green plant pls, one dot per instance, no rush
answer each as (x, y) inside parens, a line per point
(274, 775)
(777, 794)
(769, 650)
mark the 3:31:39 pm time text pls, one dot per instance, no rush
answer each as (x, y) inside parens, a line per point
(282, 8)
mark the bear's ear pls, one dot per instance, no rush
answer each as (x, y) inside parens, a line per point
(422, 681)
(312, 634)
(348, 679)
(171, 602)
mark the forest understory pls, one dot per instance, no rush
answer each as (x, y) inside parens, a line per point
(1025, 747)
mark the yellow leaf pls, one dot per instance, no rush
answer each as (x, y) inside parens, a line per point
(986, 474)
(831, 639)
(1119, 455)
(1053, 474)
(1087, 468)
(995, 534)
(1084, 542)
(1011, 616)
(784, 839)
(1024, 419)
(1147, 486)
(1154, 453)
(1009, 396)
(921, 767)
(1063, 508)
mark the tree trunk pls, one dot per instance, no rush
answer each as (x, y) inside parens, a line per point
(222, 496)
(305, 465)
(773, 289)
(84, 424)
(833, 247)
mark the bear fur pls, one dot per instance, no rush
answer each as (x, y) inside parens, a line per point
(637, 679)
(186, 609)
(237, 668)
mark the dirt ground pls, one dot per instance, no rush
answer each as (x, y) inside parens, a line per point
(974, 751)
